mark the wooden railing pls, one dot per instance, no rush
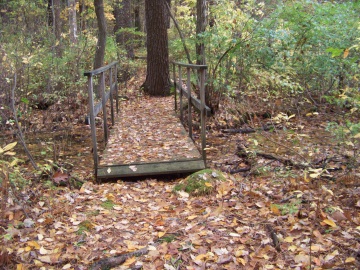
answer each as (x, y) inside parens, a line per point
(199, 104)
(107, 87)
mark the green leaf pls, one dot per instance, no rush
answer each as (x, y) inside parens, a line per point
(335, 51)
(24, 100)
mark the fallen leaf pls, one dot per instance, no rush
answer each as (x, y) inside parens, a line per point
(275, 209)
(350, 260)
(53, 258)
(329, 222)
(129, 261)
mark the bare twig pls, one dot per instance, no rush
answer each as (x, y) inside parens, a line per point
(180, 33)
(20, 134)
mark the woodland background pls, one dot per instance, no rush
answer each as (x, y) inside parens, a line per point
(283, 85)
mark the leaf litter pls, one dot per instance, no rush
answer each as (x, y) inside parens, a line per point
(276, 220)
(148, 131)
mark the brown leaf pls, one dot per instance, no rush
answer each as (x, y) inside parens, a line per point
(60, 178)
(338, 216)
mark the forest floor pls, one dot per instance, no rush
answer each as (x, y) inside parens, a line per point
(289, 199)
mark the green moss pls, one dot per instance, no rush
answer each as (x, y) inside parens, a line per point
(108, 204)
(201, 182)
(85, 225)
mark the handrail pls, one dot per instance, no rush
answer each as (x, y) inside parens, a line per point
(105, 96)
(193, 66)
(192, 101)
(100, 70)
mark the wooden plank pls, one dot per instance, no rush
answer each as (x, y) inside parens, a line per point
(147, 169)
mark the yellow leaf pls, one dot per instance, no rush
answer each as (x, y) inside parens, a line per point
(20, 266)
(33, 244)
(129, 261)
(292, 248)
(9, 146)
(350, 260)
(289, 239)
(192, 217)
(275, 209)
(307, 180)
(357, 136)
(241, 260)
(329, 222)
(208, 184)
(201, 257)
(346, 53)
(38, 263)
(110, 197)
(161, 234)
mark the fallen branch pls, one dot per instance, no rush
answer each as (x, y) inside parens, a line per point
(274, 237)
(246, 169)
(248, 130)
(110, 262)
(285, 161)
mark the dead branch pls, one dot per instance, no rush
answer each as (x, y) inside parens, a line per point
(248, 130)
(274, 237)
(110, 262)
(285, 161)
(180, 33)
(19, 133)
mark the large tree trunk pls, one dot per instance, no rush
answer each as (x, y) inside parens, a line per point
(157, 78)
(201, 22)
(100, 48)
(123, 21)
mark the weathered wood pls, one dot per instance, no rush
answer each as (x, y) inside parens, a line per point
(188, 86)
(194, 101)
(92, 122)
(154, 168)
(203, 114)
(95, 109)
(100, 70)
(190, 65)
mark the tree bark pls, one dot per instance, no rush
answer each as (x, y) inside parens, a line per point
(201, 22)
(100, 47)
(123, 21)
(157, 78)
(82, 14)
(54, 21)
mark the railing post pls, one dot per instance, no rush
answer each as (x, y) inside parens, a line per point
(188, 86)
(103, 99)
(92, 121)
(203, 115)
(111, 97)
(181, 96)
(116, 89)
(174, 79)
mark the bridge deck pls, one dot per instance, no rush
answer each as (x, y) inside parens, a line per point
(148, 139)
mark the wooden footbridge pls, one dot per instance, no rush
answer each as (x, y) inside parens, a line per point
(146, 136)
